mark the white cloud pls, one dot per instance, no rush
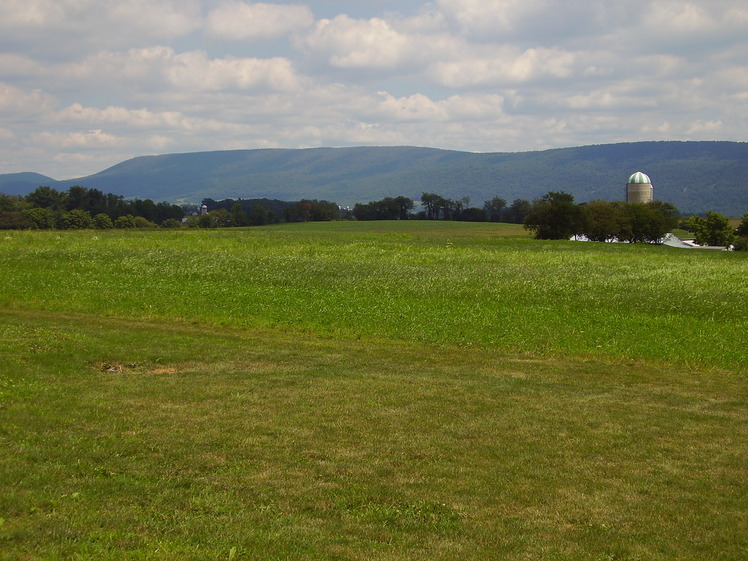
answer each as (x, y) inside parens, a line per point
(160, 69)
(507, 66)
(488, 17)
(234, 20)
(351, 43)
(19, 105)
(700, 126)
(76, 139)
(53, 29)
(103, 80)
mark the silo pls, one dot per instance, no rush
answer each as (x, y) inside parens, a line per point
(639, 188)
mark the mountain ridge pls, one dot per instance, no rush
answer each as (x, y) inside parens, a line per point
(695, 176)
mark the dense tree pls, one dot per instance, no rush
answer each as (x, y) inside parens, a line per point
(47, 197)
(102, 222)
(75, 219)
(517, 211)
(10, 202)
(238, 216)
(742, 229)
(95, 202)
(14, 220)
(493, 208)
(125, 221)
(77, 198)
(603, 220)
(432, 204)
(644, 223)
(472, 214)
(171, 223)
(312, 210)
(41, 218)
(389, 208)
(714, 230)
(555, 217)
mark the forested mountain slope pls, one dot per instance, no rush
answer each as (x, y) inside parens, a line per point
(694, 176)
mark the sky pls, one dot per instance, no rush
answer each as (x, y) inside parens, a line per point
(86, 84)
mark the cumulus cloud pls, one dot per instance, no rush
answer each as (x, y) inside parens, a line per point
(349, 43)
(76, 139)
(87, 83)
(53, 29)
(19, 105)
(234, 20)
(161, 68)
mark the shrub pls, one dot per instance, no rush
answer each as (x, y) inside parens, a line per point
(76, 219)
(171, 223)
(141, 222)
(102, 222)
(126, 221)
(41, 218)
(740, 244)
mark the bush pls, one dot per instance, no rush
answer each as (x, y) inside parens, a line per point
(76, 219)
(171, 223)
(102, 222)
(126, 221)
(740, 244)
(714, 230)
(141, 222)
(41, 218)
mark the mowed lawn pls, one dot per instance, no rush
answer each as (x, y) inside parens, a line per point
(370, 391)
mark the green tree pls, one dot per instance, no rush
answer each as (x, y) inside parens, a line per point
(171, 223)
(125, 221)
(77, 198)
(555, 217)
(493, 208)
(143, 222)
(259, 216)
(14, 220)
(102, 222)
(690, 223)
(517, 211)
(75, 219)
(742, 229)
(47, 197)
(714, 230)
(643, 224)
(603, 220)
(41, 218)
(238, 216)
(433, 204)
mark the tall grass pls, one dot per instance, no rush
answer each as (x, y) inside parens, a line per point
(433, 283)
(420, 391)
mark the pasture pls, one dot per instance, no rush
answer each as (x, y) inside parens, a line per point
(393, 391)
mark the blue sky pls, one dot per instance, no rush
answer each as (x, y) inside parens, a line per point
(85, 84)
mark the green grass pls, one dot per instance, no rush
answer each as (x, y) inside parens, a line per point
(350, 391)
(441, 283)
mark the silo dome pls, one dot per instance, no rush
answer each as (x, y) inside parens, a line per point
(639, 178)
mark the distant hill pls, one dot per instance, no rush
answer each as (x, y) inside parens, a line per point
(23, 183)
(694, 176)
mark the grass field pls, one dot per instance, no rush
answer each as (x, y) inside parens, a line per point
(368, 391)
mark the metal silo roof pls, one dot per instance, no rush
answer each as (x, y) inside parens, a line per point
(639, 177)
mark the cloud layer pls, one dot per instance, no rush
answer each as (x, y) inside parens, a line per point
(85, 84)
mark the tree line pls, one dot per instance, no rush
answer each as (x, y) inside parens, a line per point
(556, 216)
(259, 212)
(77, 208)
(553, 216)
(436, 207)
